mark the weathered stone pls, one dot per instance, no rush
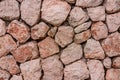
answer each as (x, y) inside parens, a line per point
(107, 62)
(8, 63)
(77, 16)
(99, 30)
(55, 12)
(31, 70)
(2, 27)
(52, 31)
(9, 10)
(116, 62)
(4, 75)
(39, 31)
(111, 45)
(96, 70)
(30, 11)
(53, 68)
(72, 53)
(48, 47)
(20, 0)
(97, 13)
(82, 37)
(76, 71)
(16, 77)
(71, 1)
(64, 36)
(93, 50)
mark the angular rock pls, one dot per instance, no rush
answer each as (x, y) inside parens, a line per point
(82, 27)
(26, 52)
(116, 62)
(52, 31)
(4, 75)
(107, 62)
(99, 30)
(31, 70)
(64, 36)
(16, 77)
(2, 27)
(9, 10)
(76, 71)
(53, 68)
(77, 16)
(9, 64)
(30, 11)
(19, 31)
(72, 53)
(82, 37)
(111, 45)
(48, 47)
(55, 12)
(7, 44)
(71, 1)
(39, 31)
(93, 50)
(97, 13)
(96, 70)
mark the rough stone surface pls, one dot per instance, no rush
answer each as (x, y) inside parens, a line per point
(4, 75)
(52, 68)
(30, 11)
(16, 77)
(52, 31)
(107, 62)
(55, 12)
(76, 71)
(96, 70)
(116, 62)
(99, 30)
(77, 16)
(71, 1)
(64, 36)
(48, 47)
(19, 31)
(93, 49)
(2, 27)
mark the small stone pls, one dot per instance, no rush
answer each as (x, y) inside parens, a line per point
(8, 63)
(52, 31)
(96, 70)
(82, 27)
(31, 70)
(9, 10)
(76, 71)
(4, 75)
(71, 1)
(16, 77)
(39, 31)
(72, 53)
(113, 74)
(30, 11)
(82, 37)
(99, 30)
(113, 22)
(19, 31)
(93, 50)
(107, 62)
(111, 45)
(2, 27)
(48, 47)
(90, 3)
(116, 62)
(64, 36)
(55, 12)
(97, 13)
(53, 68)
(7, 44)
(26, 52)
(77, 16)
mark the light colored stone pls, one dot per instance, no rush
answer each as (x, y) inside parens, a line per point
(96, 70)
(39, 31)
(107, 62)
(111, 45)
(72, 53)
(9, 64)
(16, 77)
(93, 50)
(2, 27)
(52, 31)
(76, 71)
(82, 37)
(116, 62)
(55, 12)
(97, 13)
(9, 10)
(71, 1)
(53, 68)
(4, 75)
(99, 30)
(82, 27)
(19, 31)
(48, 47)
(30, 11)
(113, 22)
(7, 44)
(26, 52)
(77, 16)
(88, 3)
(64, 36)
(31, 70)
